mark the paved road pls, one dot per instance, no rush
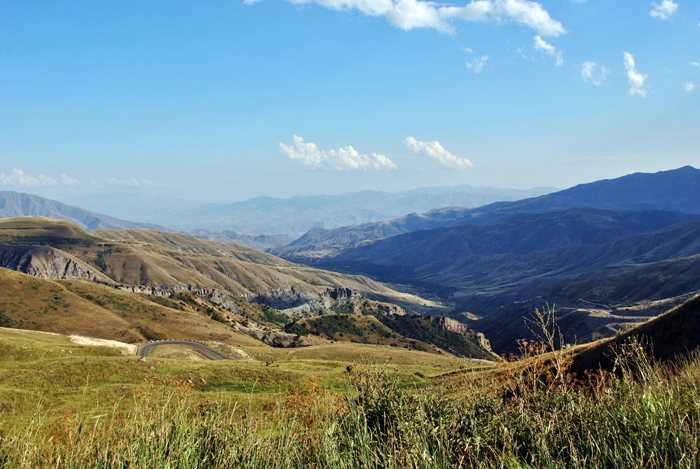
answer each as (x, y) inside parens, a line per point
(145, 350)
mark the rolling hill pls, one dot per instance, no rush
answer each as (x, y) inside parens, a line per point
(151, 260)
(95, 310)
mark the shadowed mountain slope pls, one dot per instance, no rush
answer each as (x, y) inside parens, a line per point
(577, 259)
(677, 190)
(524, 246)
(667, 336)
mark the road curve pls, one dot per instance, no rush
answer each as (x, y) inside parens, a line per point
(145, 350)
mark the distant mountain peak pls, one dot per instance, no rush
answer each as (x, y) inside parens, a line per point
(19, 204)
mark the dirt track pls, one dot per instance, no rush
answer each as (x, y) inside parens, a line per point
(145, 350)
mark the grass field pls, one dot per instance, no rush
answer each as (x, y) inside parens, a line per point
(334, 404)
(47, 368)
(71, 406)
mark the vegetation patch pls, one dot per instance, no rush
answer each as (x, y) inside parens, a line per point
(647, 416)
(425, 330)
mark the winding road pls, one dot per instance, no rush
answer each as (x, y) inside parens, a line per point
(145, 350)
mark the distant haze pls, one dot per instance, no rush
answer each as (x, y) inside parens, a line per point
(298, 214)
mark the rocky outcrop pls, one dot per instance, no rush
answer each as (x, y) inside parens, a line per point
(453, 325)
(48, 263)
(341, 294)
(274, 338)
(360, 305)
(168, 290)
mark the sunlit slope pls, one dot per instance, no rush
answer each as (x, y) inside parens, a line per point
(167, 260)
(94, 310)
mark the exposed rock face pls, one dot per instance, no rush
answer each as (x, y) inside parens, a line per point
(341, 294)
(168, 290)
(460, 328)
(362, 304)
(275, 338)
(47, 263)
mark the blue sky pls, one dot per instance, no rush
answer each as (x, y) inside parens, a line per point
(228, 100)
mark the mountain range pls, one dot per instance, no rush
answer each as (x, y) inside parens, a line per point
(18, 204)
(615, 240)
(296, 215)
(677, 190)
(609, 254)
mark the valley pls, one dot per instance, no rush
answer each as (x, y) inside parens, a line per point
(411, 320)
(608, 255)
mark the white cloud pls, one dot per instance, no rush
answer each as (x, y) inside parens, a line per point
(664, 11)
(541, 44)
(591, 72)
(688, 86)
(695, 64)
(68, 181)
(409, 14)
(478, 63)
(436, 151)
(132, 181)
(636, 79)
(18, 177)
(342, 159)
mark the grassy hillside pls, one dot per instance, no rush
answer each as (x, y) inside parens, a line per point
(94, 310)
(357, 329)
(99, 409)
(36, 366)
(44, 231)
(672, 334)
(168, 261)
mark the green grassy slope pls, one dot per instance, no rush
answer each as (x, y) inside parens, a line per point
(357, 329)
(39, 367)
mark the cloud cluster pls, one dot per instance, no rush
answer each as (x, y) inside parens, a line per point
(19, 178)
(342, 159)
(636, 79)
(541, 44)
(409, 14)
(477, 64)
(436, 151)
(688, 86)
(132, 181)
(591, 72)
(664, 11)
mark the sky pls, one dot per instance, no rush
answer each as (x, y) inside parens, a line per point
(221, 101)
